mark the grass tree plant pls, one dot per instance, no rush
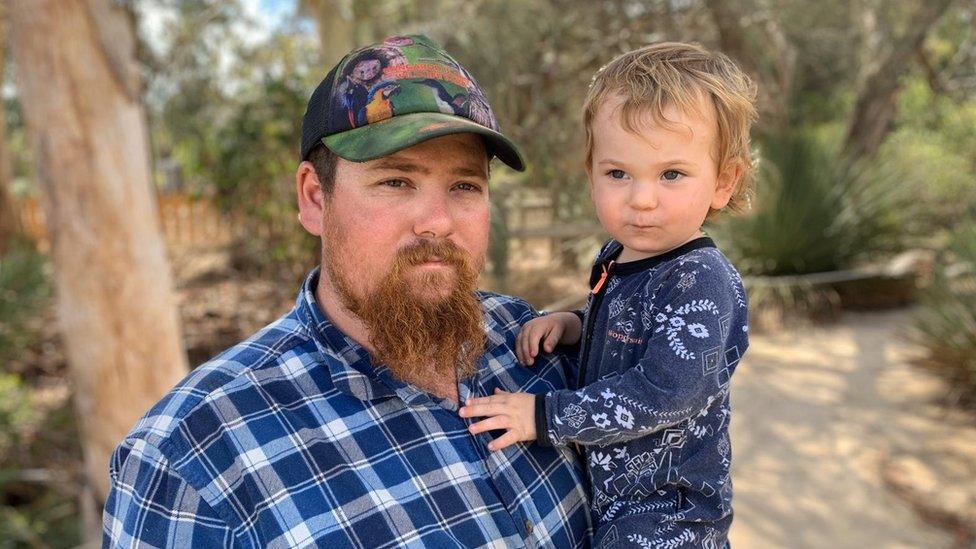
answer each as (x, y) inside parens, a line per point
(945, 327)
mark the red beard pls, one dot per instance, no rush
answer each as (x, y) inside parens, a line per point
(423, 324)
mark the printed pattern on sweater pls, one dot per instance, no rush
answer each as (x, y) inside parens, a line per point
(653, 410)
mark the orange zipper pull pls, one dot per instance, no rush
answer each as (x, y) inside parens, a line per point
(603, 278)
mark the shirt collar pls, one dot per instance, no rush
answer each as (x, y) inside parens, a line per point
(350, 365)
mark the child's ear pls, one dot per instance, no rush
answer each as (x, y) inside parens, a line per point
(727, 183)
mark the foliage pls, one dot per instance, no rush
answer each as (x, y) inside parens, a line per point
(934, 147)
(38, 500)
(227, 107)
(257, 152)
(34, 511)
(23, 287)
(946, 326)
(16, 414)
(229, 110)
(813, 212)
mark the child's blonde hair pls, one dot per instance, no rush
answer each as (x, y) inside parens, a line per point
(651, 78)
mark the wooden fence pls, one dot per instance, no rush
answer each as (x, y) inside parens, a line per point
(187, 222)
(191, 223)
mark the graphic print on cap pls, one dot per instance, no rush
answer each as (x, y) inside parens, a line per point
(404, 75)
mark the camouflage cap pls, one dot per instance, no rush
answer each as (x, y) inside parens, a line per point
(395, 94)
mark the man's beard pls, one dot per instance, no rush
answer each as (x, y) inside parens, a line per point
(418, 336)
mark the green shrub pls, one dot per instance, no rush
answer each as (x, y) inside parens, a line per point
(38, 439)
(946, 326)
(814, 212)
(38, 450)
(24, 284)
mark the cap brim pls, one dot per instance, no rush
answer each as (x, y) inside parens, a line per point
(388, 136)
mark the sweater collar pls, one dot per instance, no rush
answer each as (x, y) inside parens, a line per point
(612, 252)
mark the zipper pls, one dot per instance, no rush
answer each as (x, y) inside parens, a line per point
(592, 309)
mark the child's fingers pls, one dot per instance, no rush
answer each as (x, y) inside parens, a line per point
(496, 398)
(551, 339)
(477, 400)
(527, 337)
(533, 345)
(504, 441)
(481, 410)
(490, 424)
(520, 347)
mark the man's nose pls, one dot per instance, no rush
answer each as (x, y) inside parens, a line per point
(643, 195)
(434, 217)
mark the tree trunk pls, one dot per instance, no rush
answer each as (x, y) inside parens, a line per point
(876, 104)
(79, 88)
(774, 82)
(10, 228)
(335, 21)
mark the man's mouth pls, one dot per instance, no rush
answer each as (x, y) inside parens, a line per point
(433, 262)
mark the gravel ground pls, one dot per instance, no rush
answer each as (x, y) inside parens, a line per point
(840, 442)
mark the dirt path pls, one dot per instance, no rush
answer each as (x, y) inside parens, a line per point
(821, 418)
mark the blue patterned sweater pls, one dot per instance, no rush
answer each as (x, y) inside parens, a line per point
(662, 337)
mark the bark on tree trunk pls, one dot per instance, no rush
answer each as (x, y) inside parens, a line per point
(775, 83)
(335, 22)
(78, 83)
(876, 104)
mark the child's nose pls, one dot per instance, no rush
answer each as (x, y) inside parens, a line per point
(643, 195)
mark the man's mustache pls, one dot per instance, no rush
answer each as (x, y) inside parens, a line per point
(424, 251)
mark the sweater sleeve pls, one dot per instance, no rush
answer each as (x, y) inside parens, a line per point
(684, 367)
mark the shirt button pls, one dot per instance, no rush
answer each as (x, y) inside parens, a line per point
(528, 526)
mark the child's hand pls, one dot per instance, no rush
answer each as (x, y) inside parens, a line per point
(513, 412)
(551, 329)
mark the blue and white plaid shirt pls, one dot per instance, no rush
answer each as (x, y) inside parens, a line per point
(294, 438)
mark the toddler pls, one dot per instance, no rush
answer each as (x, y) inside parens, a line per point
(667, 130)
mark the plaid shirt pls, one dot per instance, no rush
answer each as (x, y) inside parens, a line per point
(294, 438)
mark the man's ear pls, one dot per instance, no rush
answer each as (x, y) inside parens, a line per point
(727, 183)
(311, 198)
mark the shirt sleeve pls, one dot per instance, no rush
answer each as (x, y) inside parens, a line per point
(682, 370)
(150, 505)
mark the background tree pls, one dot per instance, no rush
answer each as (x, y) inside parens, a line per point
(88, 134)
(877, 101)
(10, 228)
(335, 21)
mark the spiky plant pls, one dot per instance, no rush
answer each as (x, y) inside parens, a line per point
(813, 211)
(946, 326)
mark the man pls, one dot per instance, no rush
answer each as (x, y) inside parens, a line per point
(337, 424)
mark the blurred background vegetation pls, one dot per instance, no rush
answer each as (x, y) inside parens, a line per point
(866, 151)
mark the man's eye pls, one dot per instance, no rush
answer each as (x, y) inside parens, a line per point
(395, 183)
(468, 187)
(617, 174)
(671, 175)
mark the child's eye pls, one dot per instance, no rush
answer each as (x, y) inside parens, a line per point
(617, 174)
(671, 175)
